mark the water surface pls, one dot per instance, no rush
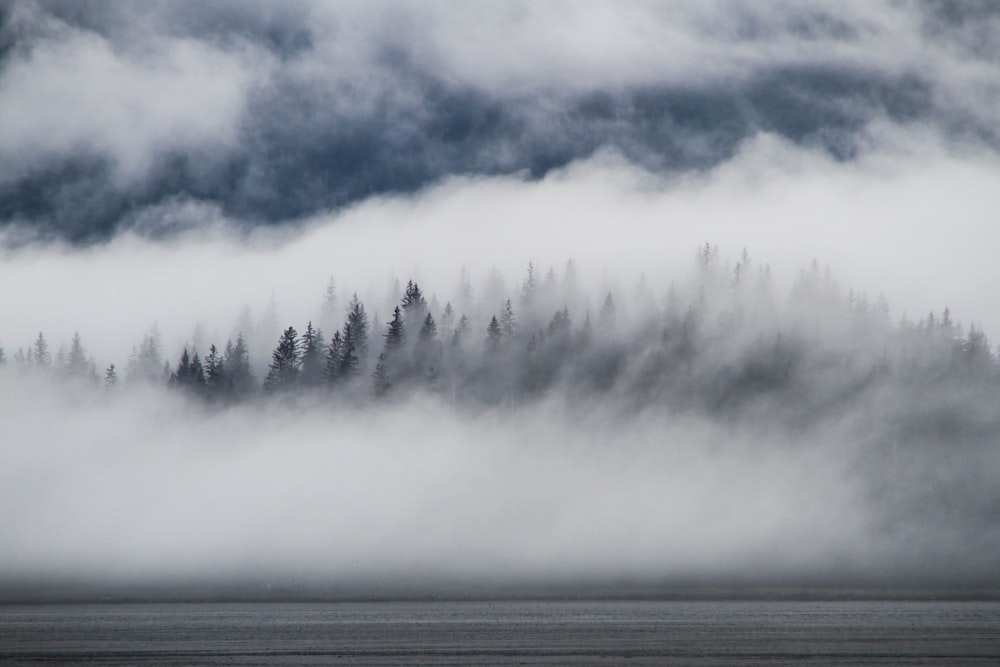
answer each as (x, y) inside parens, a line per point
(505, 633)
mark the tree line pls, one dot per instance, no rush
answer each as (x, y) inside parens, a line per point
(720, 343)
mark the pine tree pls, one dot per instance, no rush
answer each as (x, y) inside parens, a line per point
(237, 367)
(395, 335)
(328, 311)
(312, 356)
(461, 332)
(216, 381)
(284, 368)
(529, 288)
(331, 370)
(197, 378)
(349, 364)
(380, 378)
(447, 320)
(358, 320)
(493, 337)
(40, 352)
(77, 365)
(428, 330)
(110, 377)
(414, 305)
(146, 362)
(508, 321)
(182, 376)
(424, 353)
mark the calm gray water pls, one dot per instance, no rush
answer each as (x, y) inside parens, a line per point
(506, 633)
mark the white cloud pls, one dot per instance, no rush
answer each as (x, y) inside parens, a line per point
(73, 91)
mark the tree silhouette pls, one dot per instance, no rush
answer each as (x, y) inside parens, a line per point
(283, 371)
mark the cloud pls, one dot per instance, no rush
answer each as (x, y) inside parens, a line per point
(71, 91)
(277, 114)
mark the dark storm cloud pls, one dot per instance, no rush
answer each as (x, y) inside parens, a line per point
(275, 112)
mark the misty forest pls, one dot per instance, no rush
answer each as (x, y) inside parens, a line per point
(721, 344)
(918, 398)
(444, 298)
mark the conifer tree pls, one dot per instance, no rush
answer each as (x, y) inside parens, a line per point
(414, 305)
(328, 311)
(380, 378)
(182, 376)
(508, 321)
(358, 319)
(461, 332)
(40, 352)
(447, 320)
(312, 356)
(239, 373)
(146, 362)
(216, 381)
(529, 288)
(284, 368)
(424, 353)
(331, 369)
(428, 330)
(77, 365)
(110, 377)
(493, 337)
(395, 334)
(197, 378)
(349, 364)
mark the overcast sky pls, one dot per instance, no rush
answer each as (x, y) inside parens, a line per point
(172, 162)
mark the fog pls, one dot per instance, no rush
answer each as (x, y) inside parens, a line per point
(221, 165)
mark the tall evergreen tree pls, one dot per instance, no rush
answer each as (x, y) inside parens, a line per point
(349, 363)
(146, 362)
(110, 377)
(238, 370)
(197, 372)
(447, 320)
(380, 378)
(77, 365)
(493, 337)
(284, 368)
(395, 334)
(529, 288)
(414, 305)
(358, 319)
(461, 332)
(328, 311)
(40, 352)
(425, 351)
(331, 369)
(216, 381)
(508, 321)
(182, 376)
(312, 356)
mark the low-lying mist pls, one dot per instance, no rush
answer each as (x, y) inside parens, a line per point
(144, 488)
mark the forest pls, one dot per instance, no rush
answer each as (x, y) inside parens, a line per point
(721, 343)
